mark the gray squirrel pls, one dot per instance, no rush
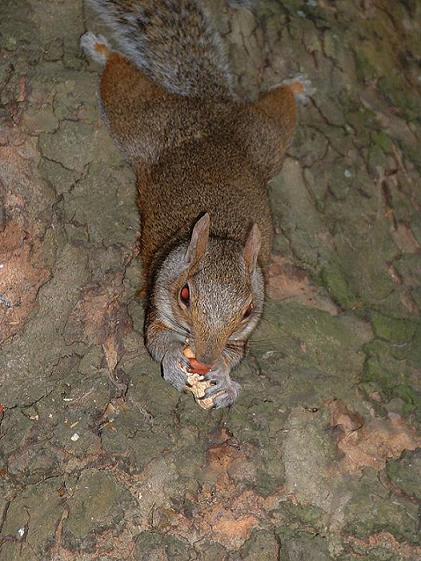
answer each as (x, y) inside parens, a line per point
(202, 159)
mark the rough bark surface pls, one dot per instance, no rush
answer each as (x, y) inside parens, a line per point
(318, 460)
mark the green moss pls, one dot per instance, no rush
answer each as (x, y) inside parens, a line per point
(393, 89)
(337, 285)
(365, 68)
(304, 546)
(382, 140)
(392, 329)
(300, 515)
(410, 396)
(414, 354)
(98, 502)
(391, 374)
(261, 546)
(150, 545)
(371, 510)
(375, 372)
(361, 119)
(378, 148)
(406, 473)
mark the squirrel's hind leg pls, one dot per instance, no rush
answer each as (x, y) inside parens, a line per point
(95, 47)
(301, 87)
(126, 99)
(270, 124)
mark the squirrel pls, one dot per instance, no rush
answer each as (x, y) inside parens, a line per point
(202, 158)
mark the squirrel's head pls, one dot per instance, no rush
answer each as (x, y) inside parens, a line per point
(210, 291)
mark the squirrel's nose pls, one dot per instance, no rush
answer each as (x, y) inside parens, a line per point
(208, 350)
(207, 359)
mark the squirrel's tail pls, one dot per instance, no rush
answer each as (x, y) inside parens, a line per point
(173, 42)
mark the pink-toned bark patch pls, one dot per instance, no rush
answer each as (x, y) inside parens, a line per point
(387, 541)
(372, 443)
(22, 273)
(285, 281)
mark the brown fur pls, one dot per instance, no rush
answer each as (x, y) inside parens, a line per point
(192, 158)
(202, 160)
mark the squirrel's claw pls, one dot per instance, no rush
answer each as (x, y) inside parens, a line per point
(223, 391)
(228, 396)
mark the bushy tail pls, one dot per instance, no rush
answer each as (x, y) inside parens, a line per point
(172, 41)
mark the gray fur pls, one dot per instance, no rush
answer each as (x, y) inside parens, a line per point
(89, 42)
(173, 42)
(216, 307)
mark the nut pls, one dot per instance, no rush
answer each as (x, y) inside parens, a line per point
(197, 386)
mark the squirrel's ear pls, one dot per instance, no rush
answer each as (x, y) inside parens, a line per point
(198, 241)
(252, 248)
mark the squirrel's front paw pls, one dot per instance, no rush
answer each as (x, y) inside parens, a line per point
(175, 367)
(223, 391)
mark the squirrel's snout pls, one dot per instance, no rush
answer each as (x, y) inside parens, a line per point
(206, 359)
(209, 348)
(206, 363)
(209, 357)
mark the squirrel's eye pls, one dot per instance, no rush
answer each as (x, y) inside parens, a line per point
(185, 295)
(248, 311)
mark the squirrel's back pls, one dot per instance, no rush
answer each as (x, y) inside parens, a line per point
(172, 41)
